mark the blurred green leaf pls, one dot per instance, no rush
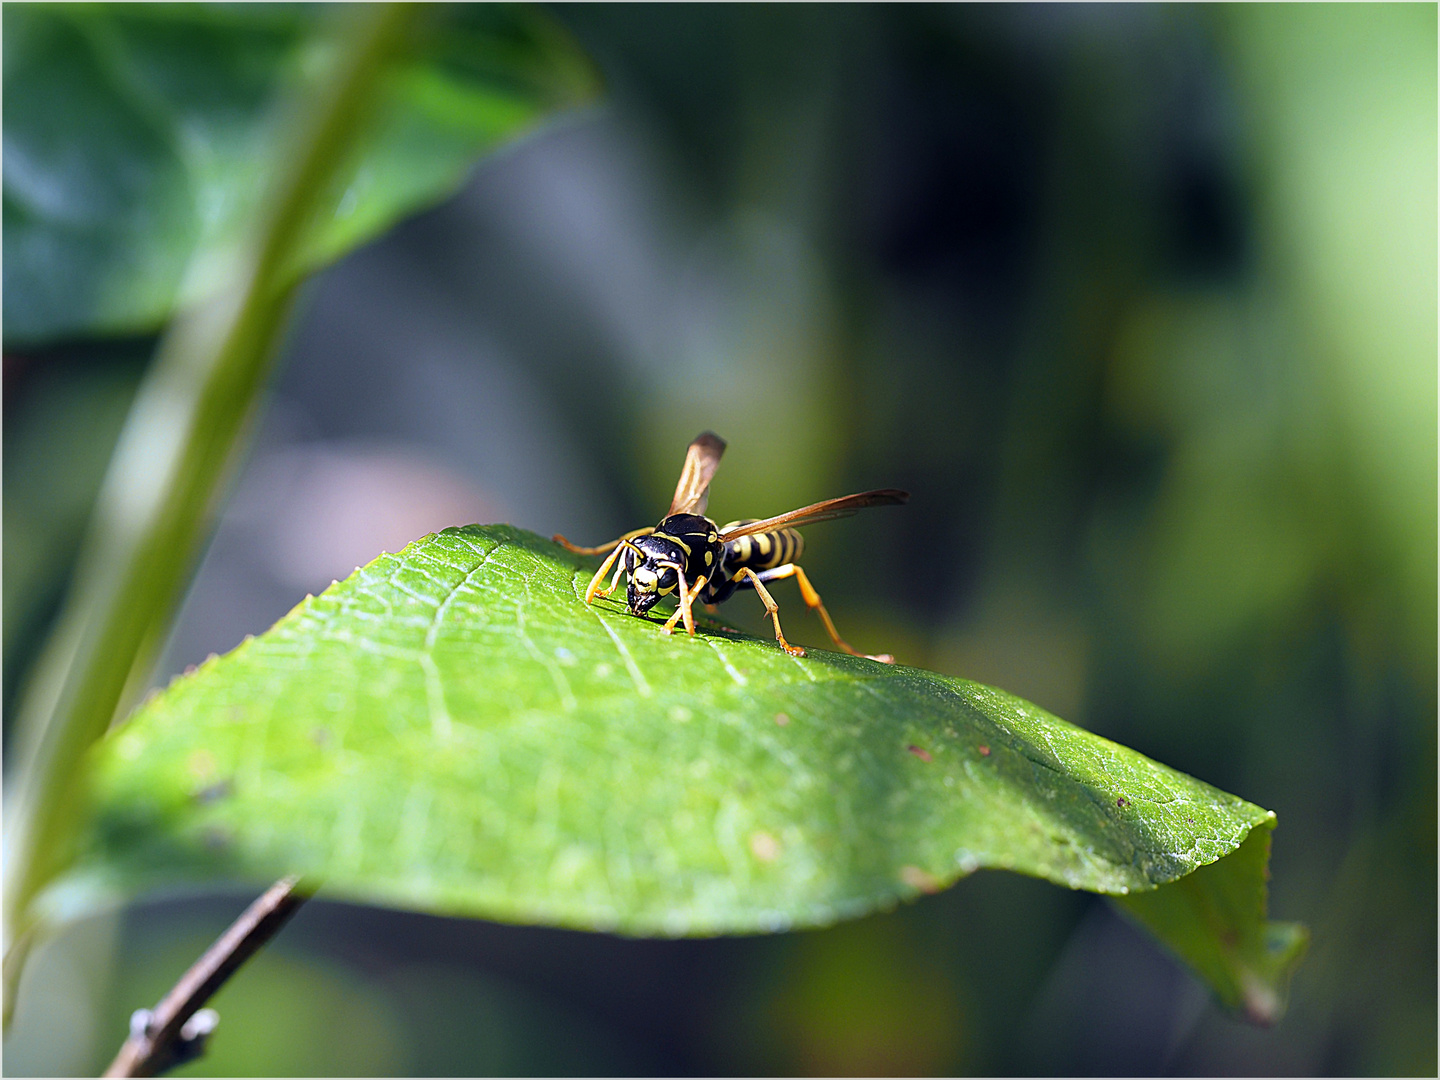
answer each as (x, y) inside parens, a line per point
(452, 729)
(1343, 140)
(50, 480)
(139, 139)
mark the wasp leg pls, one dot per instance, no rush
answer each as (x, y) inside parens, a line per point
(812, 599)
(594, 586)
(614, 581)
(603, 548)
(686, 608)
(771, 608)
(681, 610)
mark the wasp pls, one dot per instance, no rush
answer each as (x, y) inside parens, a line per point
(689, 555)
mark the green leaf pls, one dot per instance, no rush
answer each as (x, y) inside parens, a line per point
(211, 363)
(1214, 920)
(453, 729)
(140, 140)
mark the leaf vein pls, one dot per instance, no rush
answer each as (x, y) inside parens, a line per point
(641, 686)
(730, 669)
(562, 684)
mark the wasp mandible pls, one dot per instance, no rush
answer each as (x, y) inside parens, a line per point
(689, 555)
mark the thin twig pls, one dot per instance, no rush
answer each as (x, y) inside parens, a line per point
(152, 1045)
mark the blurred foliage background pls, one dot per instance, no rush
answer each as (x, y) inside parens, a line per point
(1139, 302)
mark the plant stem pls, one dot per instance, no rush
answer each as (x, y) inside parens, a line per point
(148, 1052)
(178, 447)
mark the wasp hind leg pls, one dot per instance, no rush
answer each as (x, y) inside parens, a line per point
(771, 608)
(812, 600)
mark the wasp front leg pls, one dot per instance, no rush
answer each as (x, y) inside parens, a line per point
(812, 600)
(685, 610)
(613, 559)
(593, 589)
(616, 548)
(619, 569)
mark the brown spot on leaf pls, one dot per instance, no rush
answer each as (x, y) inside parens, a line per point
(923, 755)
(916, 878)
(764, 846)
(781, 719)
(984, 751)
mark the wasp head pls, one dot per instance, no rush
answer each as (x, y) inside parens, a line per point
(653, 564)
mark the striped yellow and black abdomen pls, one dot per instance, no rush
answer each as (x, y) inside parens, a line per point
(763, 551)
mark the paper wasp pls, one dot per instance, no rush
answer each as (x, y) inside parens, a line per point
(689, 555)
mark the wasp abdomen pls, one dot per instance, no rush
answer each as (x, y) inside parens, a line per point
(762, 551)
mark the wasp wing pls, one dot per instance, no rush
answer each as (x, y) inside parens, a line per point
(692, 493)
(821, 511)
